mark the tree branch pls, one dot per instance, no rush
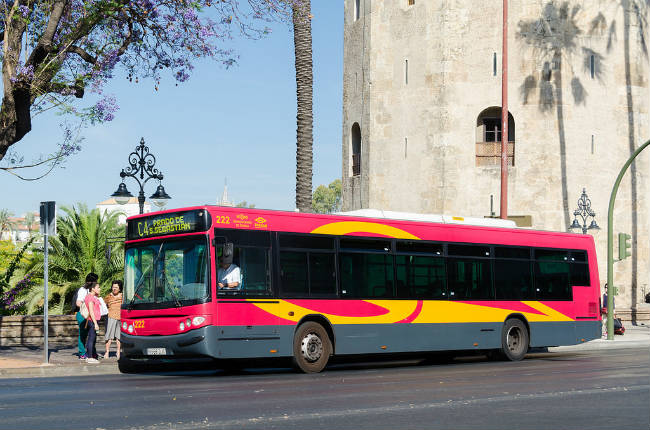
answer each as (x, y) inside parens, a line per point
(56, 87)
(82, 53)
(44, 45)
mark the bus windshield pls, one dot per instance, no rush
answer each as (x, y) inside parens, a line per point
(168, 273)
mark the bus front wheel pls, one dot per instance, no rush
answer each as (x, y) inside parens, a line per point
(514, 340)
(311, 348)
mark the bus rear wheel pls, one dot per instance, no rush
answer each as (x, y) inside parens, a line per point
(311, 348)
(514, 340)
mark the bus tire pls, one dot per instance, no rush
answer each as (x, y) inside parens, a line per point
(514, 340)
(311, 348)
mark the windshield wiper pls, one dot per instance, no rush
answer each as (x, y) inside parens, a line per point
(135, 293)
(141, 280)
(171, 290)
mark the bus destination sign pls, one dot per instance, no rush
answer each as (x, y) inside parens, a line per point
(168, 224)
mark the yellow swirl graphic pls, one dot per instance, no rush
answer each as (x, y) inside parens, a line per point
(433, 311)
(346, 227)
(397, 311)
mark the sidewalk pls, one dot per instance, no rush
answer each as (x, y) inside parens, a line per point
(27, 362)
(634, 337)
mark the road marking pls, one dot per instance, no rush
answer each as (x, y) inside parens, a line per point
(285, 418)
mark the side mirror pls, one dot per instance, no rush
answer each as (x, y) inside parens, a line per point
(228, 249)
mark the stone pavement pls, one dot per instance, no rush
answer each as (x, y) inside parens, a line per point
(27, 362)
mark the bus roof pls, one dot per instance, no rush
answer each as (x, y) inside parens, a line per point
(456, 228)
(442, 219)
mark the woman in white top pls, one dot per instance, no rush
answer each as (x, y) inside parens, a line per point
(91, 278)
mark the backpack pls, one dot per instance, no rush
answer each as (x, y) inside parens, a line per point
(74, 301)
(83, 309)
(618, 326)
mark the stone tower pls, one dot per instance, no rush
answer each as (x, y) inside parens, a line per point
(421, 114)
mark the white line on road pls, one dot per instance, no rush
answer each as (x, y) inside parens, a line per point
(278, 419)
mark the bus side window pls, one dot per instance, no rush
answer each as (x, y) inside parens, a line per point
(255, 271)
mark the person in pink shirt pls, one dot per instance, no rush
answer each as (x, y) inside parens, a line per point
(94, 314)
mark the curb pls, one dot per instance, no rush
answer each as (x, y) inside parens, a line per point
(54, 370)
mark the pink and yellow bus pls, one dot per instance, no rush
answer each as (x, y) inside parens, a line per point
(310, 287)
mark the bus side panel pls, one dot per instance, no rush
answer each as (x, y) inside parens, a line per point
(552, 333)
(372, 338)
(588, 330)
(247, 347)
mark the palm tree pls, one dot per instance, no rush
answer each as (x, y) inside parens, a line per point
(29, 221)
(79, 248)
(6, 223)
(554, 37)
(304, 90)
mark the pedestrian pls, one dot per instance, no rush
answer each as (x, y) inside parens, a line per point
(81, 320)
(114, 302)
(104, 317)
(94, 313)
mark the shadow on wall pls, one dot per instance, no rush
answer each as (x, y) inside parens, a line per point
(554, 39)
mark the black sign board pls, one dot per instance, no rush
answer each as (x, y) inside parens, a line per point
(48, 218)
(168, 224)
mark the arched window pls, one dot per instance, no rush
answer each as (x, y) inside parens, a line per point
(355, 138)
(488, 138)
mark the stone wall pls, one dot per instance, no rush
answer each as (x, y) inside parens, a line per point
(28, 330)
(575, 128)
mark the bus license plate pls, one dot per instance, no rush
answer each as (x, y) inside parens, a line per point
(156, 351)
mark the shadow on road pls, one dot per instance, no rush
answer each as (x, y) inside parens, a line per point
(209, 368)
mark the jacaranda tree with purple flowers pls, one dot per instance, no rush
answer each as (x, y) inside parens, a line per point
(56, 51)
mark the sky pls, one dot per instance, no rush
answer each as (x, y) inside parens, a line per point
(237, 123)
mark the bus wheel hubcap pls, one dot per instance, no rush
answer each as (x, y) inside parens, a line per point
(312, 347)
(514, 339)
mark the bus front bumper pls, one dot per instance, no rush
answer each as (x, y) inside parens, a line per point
(193, 343)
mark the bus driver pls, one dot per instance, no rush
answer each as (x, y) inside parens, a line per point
(228, 276)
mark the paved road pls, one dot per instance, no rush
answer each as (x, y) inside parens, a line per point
(546, 391)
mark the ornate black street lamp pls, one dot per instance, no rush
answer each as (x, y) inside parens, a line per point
(584, 211)
(141, 168)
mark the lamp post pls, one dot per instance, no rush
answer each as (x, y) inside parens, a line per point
(141, 168)
(584, 211)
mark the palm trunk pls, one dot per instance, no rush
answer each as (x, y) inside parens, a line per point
(304, 91)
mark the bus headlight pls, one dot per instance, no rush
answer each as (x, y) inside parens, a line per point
(124, 325)
(198, 320)
(188, 322)
(182, 326)
(130, 329)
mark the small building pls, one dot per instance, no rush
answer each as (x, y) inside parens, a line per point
(21, 229)
(128, 209)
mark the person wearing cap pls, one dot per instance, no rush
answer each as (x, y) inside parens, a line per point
(228, 276)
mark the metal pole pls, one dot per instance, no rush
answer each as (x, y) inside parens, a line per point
(141, 200)
(45, 276)
(504, 115)
(610, 244)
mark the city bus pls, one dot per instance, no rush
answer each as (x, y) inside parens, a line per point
(310, 287)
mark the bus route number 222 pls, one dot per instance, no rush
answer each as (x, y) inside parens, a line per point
(222, 219)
